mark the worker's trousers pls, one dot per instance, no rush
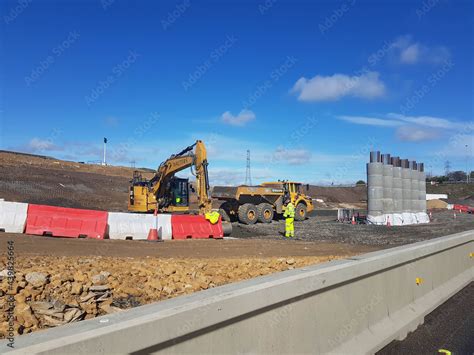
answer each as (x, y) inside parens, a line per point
(289, 227)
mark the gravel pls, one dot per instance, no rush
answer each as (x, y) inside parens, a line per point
(324, 228)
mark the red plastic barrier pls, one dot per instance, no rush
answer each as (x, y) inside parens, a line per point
(195, 227)
(463, 208)
(66, 222)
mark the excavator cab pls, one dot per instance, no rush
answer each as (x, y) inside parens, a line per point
(179, 192)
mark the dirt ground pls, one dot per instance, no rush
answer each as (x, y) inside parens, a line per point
(67, 184)
(59, 281)
(209, 249)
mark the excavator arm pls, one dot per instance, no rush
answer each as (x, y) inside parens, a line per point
(194, 155)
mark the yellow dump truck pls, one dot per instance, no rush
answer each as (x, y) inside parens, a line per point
(249, 204)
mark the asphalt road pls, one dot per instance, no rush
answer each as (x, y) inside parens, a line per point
(449, 327)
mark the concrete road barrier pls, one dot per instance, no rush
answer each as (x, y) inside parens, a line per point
(13, 216)
(352, 306)
(137, 226)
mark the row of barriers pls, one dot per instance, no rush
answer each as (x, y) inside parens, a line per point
(81, 223)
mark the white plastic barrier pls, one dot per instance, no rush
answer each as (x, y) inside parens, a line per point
(408, 218)
(137, 226)
(422, 217)
(435, 196)
(13, 216)
(399, 219)
(377, 220)
(164, 226)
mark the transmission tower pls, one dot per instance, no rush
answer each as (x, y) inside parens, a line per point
(248, 176)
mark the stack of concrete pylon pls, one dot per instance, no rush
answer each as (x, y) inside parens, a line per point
(396, 191)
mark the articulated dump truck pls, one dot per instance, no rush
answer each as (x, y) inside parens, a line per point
(249, 204)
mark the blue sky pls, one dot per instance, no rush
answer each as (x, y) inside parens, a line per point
(310, 87)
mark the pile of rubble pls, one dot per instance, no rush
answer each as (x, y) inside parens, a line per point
(52, 291)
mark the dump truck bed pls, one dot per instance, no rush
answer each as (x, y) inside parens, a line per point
(234, 192)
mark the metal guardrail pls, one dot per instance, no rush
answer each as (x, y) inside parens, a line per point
(355, 306)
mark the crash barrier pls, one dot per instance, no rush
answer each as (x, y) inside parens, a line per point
(399, 219)
(12, 216)
(136, 226)
(66, 222)
(195, 227)
(463, 208)
(352, 306)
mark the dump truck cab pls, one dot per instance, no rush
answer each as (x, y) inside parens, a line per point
(296, 192)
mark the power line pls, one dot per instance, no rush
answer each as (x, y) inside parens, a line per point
(248, 176)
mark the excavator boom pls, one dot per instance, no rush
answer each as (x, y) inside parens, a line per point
(158, 191)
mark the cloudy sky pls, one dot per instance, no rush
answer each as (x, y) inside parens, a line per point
(309, 87)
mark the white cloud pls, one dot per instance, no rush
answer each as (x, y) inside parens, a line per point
(330, 88)
(412, 128)
(38, 145)
(410, 55)
(292, 156)
(370, 121)
(241, 119)
(416, 134)
(407, 51)
(428, 121)
(395, 119)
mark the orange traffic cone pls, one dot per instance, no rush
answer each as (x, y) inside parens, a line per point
(353, 220)
(153, 233)
(388, 221)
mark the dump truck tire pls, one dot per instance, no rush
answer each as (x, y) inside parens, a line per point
(225, 217)
(248, 213)
(300, 212)
(265, 212)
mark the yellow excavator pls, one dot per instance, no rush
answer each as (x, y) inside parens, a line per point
(168, 193)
